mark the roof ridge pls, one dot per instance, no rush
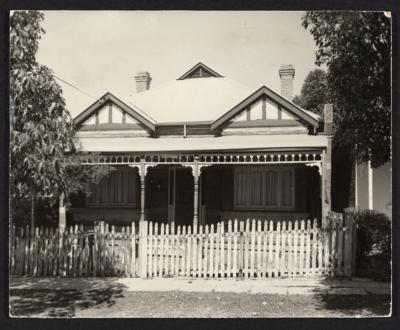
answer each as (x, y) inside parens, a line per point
(238, 83)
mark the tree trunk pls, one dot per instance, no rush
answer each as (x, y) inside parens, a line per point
(33, 215)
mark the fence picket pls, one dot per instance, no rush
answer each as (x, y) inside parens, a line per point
(194, 251)
(340, 240)
(217, 252)
(206, 252)
(295, 248)
(177, 250)
(270, 248)
(289, 238)
(133, 251)
(308, 247)
(222, 250)
(314, 248)
(277, 248)
(229, 250)
(155, 249)
(264, 260)
(283, 254)
(183, 248)
(252, 247)
(235, 248)
(199, 251)
(246, 248)
(150, 250)
(212, 237)
(301, 255)
(334, 246)
(189, 252)
(258, 249)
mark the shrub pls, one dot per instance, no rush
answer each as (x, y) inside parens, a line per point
(373, 244)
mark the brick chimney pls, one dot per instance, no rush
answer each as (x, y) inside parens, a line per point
(286, 73)
(143, 80)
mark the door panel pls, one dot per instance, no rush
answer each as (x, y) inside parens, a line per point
(184, 197)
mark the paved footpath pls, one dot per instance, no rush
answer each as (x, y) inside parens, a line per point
(292, 286)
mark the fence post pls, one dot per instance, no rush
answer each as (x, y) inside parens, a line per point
(350, 238)
(352, 227)
(143, 248)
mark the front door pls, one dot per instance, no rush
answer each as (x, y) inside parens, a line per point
(180, 197)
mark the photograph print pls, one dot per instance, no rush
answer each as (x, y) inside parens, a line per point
(200, 164)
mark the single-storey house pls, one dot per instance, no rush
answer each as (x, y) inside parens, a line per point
(202, 149)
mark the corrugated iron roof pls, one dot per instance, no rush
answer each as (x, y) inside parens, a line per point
(180, 144)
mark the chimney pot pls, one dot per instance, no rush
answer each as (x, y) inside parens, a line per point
(286, 73)
(143, 80)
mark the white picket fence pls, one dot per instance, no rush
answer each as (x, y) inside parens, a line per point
(245, 249)
(250, 249)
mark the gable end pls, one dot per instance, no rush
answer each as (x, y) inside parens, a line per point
(285, 110)
(109, 107)
(200, 70)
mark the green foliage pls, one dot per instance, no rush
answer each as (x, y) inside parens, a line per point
(356, 47)
(373, 242)
(41, 128)
(81, 178)
(314, 92)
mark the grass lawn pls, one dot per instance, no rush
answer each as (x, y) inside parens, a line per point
(115, 302)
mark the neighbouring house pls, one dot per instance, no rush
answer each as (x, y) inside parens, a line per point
(373, 188)
(204, 148)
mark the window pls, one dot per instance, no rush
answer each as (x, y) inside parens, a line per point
(119, 188)
(259, 187)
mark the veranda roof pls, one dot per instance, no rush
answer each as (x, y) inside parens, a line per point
(201, 144)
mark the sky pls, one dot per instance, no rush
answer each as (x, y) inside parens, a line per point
(100, 51)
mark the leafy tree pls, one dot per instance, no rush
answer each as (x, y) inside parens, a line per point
(356, 47)
(314, 92)
(41, 128)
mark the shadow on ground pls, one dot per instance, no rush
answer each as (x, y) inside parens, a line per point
(62, 302)
(353, 304)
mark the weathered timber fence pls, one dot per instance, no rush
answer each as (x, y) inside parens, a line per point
(73, 252)
(249, 249)
(246, 249)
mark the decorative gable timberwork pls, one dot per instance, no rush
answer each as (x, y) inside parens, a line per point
(265, 112)
(113, 116)
(200, 70)
(110, 114)
(264, 109)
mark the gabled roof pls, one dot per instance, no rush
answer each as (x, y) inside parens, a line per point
(265, 91)
(200, 66)
(129, 109)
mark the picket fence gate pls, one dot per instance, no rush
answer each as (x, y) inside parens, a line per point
(232, 249)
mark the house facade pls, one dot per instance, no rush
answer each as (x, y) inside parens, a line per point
(202, 149)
